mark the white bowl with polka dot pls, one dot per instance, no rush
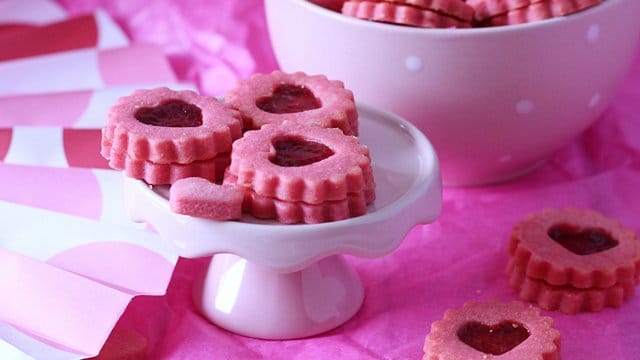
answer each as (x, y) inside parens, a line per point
(495, 102)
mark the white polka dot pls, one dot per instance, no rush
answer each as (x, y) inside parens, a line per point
(524, 107)
(595, 100)
(413, 63)
(593, 33)
(505, 159)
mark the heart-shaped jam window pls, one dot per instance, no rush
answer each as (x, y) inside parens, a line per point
(288, 98)
(493, 339)
(582, 241)
(170, 113)
(297, 151)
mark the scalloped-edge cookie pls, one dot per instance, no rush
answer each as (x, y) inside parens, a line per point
(581, 248)
(295, 97)
(297, 162)
(164, 126)
(164, 174)
(457, 9)
(493, 329)
(568, 299)
(485, 9)
(201, 198)
(394, 13)
(291, 212)
(540, 10)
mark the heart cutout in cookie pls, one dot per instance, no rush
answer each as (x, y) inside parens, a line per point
(493, 339)
(171, 113)
(297, 151)
(582, 241)
(289, 98)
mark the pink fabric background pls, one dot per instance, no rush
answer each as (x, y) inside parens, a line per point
(460, 257)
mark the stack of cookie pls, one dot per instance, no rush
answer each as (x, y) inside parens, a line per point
(573, 260)
(416, 13)
(295, 173)
(161, 135)
(510, 12)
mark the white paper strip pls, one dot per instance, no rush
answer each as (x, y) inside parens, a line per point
(27, 348)
(30, 11)
(37, 145)
(41, 234)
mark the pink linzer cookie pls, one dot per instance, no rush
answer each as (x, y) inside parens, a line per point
(298, 162)
(165, 174)
(457, 9)
(486, 9)
(580, 248)
(297, 97)
(568, 299)
(540, 10)
(291, 212)
(493, 329)
(164, 126)
(400, 14)
(201, 198)
(335, 5)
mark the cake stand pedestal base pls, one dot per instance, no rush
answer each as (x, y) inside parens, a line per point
(256, 301)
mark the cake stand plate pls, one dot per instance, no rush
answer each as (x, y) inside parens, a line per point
(275, 281)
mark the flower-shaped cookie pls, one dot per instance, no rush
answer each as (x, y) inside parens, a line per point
(411, 12)
(164, 126)
(581, 248)
(573, 260)
(509, 12)
(297, 162)
(307, 99)
(484, 330)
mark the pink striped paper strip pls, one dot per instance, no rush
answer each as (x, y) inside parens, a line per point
(85, 70)
(88, 193)
(85, 109)
(88, 31)
(135, 261)
(57, 306)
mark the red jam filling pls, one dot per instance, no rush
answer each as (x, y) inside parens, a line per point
(288, 98)
(297, 151)
(495, 339)
(171, 113)
(581, 241)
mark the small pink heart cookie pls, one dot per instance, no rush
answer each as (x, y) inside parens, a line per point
(201, 198)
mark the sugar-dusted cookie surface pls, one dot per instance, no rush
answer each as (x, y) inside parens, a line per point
(199, 197)
(576, 247)
(484, 330)
(298, 162)
(295, 97)
(164, 126)
(566, 298)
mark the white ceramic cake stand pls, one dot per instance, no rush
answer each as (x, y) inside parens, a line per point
(276, 281)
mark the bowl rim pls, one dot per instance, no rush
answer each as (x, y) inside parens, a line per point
(453, 32)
